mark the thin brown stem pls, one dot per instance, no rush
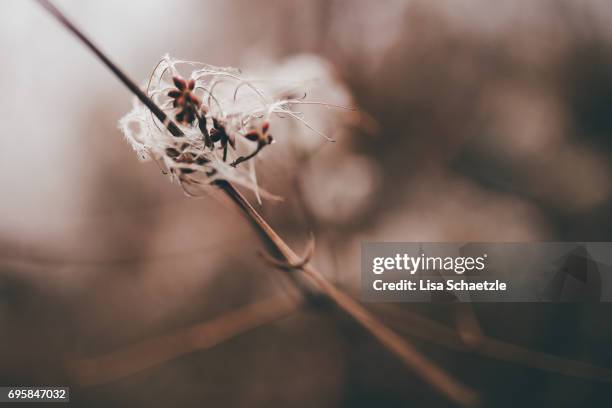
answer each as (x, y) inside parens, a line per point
(437, 377)
(391, 340)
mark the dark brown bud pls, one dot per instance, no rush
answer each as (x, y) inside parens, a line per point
(179, 83)
(174, 93)
(252, 136)
(215, 135)
(193, 99)
(189, 116)
(172, 152)
(201, 160)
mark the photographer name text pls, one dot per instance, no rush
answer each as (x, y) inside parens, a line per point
(447, 285)
(428, 264)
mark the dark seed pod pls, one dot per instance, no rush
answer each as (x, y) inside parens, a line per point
(201, 160)
(172, 152)
(215, 135)
(252, 136)
(204, 130)
(189, 116)
(179, 83)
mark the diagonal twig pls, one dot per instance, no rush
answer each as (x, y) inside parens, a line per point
(291, 266)
(391, 340)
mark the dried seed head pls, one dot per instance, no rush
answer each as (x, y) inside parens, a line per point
(241, 114)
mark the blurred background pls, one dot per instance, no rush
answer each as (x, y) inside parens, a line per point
(479, 121)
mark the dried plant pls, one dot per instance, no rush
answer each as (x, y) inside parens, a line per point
(224, 118)
(188, 110)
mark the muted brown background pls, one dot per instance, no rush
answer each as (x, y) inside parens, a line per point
(482, 122)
